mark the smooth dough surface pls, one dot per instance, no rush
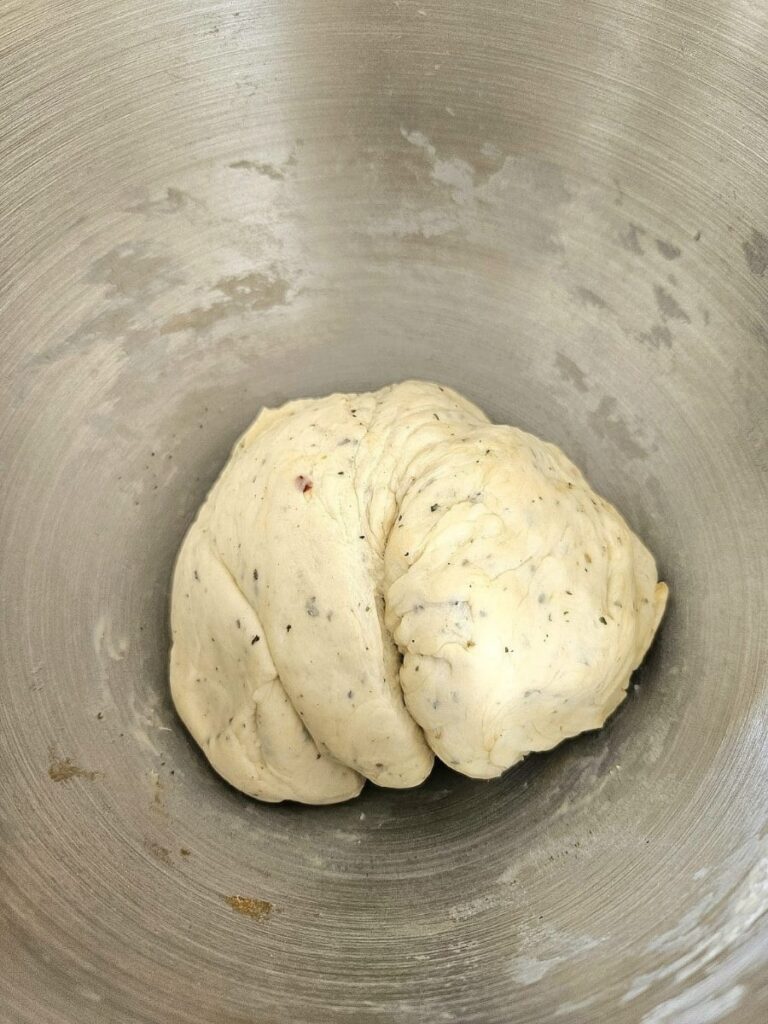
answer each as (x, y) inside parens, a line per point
(378, 578)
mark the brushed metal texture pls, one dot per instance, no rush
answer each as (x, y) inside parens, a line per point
(562, 210)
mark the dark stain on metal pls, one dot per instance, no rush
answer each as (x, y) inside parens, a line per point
(259, 910)
(158, 795)
(571, 372)
(669, 307)
(64, 769)
(253, 291)
(116, 322)
(268, 170)
(161, 853)
(659, 335)
(173, 201)
(668, 250)
(589, 298)
(756, 252)
(631, 239)
(611, 425)
(129, 271)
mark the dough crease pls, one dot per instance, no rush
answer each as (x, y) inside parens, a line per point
(376, 579)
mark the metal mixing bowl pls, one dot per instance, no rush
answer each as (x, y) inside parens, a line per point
(562, 210)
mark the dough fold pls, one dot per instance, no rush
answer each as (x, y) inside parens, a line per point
(378, 578)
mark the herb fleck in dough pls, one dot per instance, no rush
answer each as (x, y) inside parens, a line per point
(378, 578)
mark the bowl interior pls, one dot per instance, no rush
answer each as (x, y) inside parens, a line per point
(562, 213)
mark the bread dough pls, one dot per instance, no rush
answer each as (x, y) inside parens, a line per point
(378, 578)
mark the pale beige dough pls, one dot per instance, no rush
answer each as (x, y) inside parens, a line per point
(378, 578)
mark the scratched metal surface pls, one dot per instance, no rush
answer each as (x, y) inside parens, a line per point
(562, 209)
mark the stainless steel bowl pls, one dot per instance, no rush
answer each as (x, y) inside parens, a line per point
(561, 209)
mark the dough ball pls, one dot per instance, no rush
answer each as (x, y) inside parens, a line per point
(375, 579)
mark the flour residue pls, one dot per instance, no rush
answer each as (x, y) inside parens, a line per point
(107, 641)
